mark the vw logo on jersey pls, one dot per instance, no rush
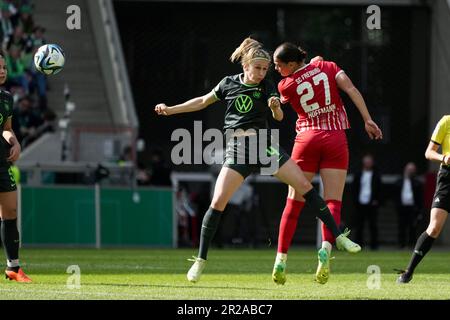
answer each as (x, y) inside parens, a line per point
(243, 103)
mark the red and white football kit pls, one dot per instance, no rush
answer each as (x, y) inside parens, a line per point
(313, 93)
(321, 142)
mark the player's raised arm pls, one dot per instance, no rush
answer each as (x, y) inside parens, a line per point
(192, 105)
(345, 84)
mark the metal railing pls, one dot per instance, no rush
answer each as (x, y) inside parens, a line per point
(111, 174)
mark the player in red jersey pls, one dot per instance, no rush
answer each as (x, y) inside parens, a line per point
(321, 144)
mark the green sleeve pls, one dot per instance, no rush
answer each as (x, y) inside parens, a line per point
(219, 91)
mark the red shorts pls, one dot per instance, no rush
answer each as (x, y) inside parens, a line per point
(319, 149)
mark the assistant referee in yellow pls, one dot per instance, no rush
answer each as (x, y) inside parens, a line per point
(441, 198)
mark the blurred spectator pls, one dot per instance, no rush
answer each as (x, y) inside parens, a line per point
(186, 214)
(366, 195)
(38, 81)
(19, 40)
(160, 170)
(409, 201)
(25, 122)
(26, 18)
(37, 38)
(17, 93)
(6, 22)
(46, 124)
(126, 156)
(236, 217)
(142, 175)
(16, 68)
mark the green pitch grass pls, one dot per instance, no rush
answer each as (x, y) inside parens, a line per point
(230, 274)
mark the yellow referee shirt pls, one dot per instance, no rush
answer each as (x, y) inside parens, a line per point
(441, 134)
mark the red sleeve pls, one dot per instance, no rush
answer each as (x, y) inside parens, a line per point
(332, 68)
(284, 98)
(317, 63)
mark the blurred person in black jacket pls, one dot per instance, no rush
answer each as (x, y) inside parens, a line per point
(409, 202)
(366, 195)
(160, 170)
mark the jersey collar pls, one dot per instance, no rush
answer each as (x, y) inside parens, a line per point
(301, 68)
(241, 80)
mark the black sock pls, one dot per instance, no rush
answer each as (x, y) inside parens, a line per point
(322, 212)
(423, 245)
(10, 238)
(209, 226)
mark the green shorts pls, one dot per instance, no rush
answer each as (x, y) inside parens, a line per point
(7, 181)
(249, 154)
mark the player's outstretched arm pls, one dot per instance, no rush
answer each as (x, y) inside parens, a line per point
(192, 105)
(345, 84)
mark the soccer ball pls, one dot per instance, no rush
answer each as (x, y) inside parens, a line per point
(49, 59)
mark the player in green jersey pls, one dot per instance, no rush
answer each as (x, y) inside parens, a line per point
(9, 152)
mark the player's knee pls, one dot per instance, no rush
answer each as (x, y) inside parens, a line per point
(434, 230)
(292, 194)
(218, 204)
(303, 186)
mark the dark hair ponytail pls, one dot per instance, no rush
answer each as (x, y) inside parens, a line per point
(289, 52)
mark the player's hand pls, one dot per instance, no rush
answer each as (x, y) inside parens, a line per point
(316, 59)
(161, 109)
(372, 130)
(274, 103)
(446, 160)
(14, 153)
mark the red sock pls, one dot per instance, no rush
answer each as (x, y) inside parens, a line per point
(335, 208)
(288, 223)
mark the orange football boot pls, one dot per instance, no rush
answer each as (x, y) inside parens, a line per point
(18, 276)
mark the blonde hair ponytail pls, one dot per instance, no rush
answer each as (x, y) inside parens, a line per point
(249, 50)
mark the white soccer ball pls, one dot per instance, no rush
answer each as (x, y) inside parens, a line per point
(49, 59)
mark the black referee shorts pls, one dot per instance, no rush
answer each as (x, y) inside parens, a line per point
(441, 197)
